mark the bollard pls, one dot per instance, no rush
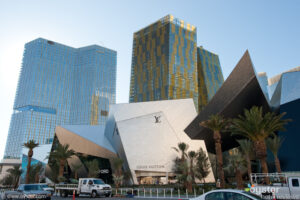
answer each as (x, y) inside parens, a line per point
(187, 194)
(138, 192)
(195, 192)
(144, 193)
(164, 193)
(178, 193)
(73, 194)
(156, 192)
(116, 191)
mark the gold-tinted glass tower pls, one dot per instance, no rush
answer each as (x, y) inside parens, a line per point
(210, 76)
(164, 62)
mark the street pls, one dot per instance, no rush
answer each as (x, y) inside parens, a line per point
(112, 198)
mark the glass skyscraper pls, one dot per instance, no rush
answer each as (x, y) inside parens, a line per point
(210, 76)
(164, 63)
(60, 85)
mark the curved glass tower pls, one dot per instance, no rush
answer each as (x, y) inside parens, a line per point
(60, 85)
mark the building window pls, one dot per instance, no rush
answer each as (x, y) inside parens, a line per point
(104, 113)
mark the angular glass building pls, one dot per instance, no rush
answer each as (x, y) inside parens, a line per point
(210, 76)
(284, 91)
(60, 85)
(164, 62)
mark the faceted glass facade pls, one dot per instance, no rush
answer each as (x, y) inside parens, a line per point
(164, 64)
(60, 85)
(210, 77)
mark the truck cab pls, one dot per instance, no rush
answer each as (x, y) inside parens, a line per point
(94, 186)
(282, 185)
(294, 185)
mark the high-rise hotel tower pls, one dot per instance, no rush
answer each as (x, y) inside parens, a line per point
(60, 85)
(164, 62)
(210, 76)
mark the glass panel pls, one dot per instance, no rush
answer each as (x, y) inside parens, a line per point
(236, 196)
(295, 182)
(32, 187)
(98, 181)
(215, 196)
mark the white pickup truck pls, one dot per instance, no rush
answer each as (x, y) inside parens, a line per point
(91, 186)
(282, 186)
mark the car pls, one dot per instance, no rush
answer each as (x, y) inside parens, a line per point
(28, 192)
(228, 194)
(47, 188)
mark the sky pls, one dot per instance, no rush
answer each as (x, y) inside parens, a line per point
(269, 29)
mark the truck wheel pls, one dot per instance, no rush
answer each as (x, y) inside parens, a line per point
(94, 194)
(64, 193)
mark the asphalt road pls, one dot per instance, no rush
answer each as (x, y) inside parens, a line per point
(112, 198)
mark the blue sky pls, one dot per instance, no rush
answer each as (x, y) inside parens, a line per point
(270, 30)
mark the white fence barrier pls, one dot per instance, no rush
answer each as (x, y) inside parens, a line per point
(158, 192)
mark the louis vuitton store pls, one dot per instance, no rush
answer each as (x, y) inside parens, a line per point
(144, 134)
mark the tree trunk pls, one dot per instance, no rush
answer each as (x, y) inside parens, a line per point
(189, 187)
(264, 168)
(61, 167)
(182, 159)
(239, 179)
(29, 155)
(249, 168)
(277, 164)
(219, 156)
(192, 170)
(16, 182)
(37, 178)
(261, 154)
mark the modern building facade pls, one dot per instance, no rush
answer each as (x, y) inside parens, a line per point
(164, 62)
(210, 76)
(245, 88)
(144, 134)
(285, 98)
(241, 90)
(60, 85)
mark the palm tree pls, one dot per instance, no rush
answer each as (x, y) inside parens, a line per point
(217, 123)
(30, 145)
(236, 164)
(15, 173)
(246, 147)
(274, 145)
(35, 172)
(61, 154)
(181, 165)
(117, 164)
(93, 168)
(202, 166)
(257, 126)
(192, 156)
(182, 148)
(76, 167)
